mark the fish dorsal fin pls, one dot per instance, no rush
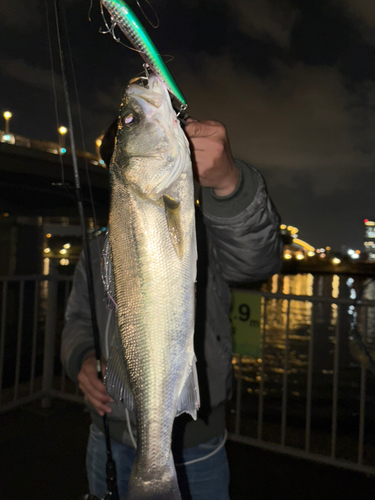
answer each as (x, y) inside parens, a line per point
(116, 379)
(188, 400)
(172, 214)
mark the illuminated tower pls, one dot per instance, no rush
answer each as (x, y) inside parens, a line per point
(369, 242)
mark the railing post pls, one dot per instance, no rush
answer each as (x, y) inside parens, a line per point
(50, 335)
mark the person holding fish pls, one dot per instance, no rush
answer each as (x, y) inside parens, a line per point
(237, 241)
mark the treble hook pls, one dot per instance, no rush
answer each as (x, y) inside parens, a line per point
(141, 80)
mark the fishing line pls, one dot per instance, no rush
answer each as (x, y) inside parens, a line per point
(189, 462)
(201, 459)
(130, 431)
(89, 11)
(54, 89)
(82, 136)
(157, 24)
(63, 34)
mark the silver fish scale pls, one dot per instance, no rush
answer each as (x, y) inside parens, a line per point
(154, 266)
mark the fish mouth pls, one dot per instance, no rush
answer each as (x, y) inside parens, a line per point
(149, 89)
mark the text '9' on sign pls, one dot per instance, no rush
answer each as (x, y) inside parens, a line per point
(245, 318)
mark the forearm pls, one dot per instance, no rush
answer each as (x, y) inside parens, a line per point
(236, 202)
(243, 230)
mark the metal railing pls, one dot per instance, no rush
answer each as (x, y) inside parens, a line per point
(268, 425)
(32, 309)
(289, 399)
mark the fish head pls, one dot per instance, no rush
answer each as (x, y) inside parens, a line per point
(151, 150)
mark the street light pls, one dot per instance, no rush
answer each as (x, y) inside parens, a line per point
(62, 131)
(7, 116)
(7, 137)
(98, 143)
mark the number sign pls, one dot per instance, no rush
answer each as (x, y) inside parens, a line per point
(245, 318)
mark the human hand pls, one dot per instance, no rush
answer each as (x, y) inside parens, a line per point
(212, 158)
(92, 387)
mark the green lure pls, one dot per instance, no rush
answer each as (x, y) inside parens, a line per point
(123, 17)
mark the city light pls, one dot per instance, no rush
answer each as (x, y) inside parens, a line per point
(67, 245)
(98, 143)
(46, 263)
(7, 116)
(287, 256)
(292, 229)
(311, 254)
(9, 138)
(62, 131)
(64, 262)
(48, 235)
(303, 244)
(336, 261)
(300, 256)
(63, 251)
(47, 250)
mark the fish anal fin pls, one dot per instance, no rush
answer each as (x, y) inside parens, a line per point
(189, 401)
(116, 380)
(172, 214)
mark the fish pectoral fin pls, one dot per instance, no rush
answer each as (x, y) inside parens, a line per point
(172, 214)
(116, 379)
(189, 401)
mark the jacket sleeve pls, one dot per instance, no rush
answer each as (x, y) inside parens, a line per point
(243, 230)
(77, 335)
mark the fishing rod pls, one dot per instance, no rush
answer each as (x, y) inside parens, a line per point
(62, 33)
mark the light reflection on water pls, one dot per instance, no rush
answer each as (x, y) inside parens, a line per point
(329, 324)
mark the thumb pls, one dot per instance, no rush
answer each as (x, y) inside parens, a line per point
(199, 129)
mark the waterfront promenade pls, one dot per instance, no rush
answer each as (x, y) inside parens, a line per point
(42, 454)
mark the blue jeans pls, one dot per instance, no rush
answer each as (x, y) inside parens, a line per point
(198, 481)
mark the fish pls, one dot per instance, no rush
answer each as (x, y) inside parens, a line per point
(123, 17)
(152, 240)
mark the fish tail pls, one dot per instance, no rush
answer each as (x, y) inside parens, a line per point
(157, 488)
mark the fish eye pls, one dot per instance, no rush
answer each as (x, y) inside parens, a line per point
(128, 120)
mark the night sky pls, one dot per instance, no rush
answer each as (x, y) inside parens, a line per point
(292, 80)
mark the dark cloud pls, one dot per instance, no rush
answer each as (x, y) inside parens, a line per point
(21, 14)
(21, 70)
(266, 19)
(293, 81)
(300, 118)
(364, 12)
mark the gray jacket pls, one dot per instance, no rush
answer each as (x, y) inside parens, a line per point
(238, 242)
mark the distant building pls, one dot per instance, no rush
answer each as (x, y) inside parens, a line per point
(369, 241)
(294, 247)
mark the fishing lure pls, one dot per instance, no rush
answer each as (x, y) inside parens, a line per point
(123, 17)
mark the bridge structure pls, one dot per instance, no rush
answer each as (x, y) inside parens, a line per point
(37, 179)
(37, 197)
